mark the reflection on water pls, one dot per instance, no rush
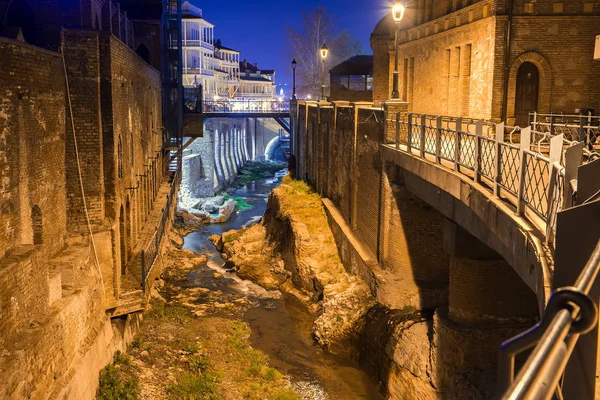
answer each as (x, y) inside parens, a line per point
(281, 325)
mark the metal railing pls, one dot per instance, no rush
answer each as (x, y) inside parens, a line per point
(246, 106)
(570, 313)
(151, 251)
(478, 149)
(581, 128)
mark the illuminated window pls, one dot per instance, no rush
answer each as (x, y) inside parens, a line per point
(486, 11)
(557, 7)
(528, 8)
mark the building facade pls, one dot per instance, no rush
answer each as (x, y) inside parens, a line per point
(492, 59)
(217, 68)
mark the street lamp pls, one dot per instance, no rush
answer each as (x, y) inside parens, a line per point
(397, 14)
(294, 80)
(324, 52)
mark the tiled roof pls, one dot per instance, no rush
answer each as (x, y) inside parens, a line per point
(357, 65)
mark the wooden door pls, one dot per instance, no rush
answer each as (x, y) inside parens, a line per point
(526, 101)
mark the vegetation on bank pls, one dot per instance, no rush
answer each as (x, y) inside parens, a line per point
(118, 380)
(182, 354)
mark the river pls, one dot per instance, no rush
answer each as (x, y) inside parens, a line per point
(281, 325)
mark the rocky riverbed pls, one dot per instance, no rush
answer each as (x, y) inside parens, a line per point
(212, 334)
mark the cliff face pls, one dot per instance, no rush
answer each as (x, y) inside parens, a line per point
(410, 353)
(294, 250)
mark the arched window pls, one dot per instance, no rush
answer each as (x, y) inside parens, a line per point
(36, 222)
(120, 158)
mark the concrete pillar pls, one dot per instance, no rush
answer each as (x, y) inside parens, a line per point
(234, 147)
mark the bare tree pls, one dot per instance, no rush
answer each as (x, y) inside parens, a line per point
(317, 28)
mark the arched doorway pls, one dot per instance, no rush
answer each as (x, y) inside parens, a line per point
(527, 92)
(122, 241)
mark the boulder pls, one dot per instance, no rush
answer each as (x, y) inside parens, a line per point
(225, 212)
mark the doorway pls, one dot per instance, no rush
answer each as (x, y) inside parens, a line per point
(526, 99)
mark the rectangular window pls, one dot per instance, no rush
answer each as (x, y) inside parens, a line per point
(588, 7)
(358, 82)
(486, 11)
(557, 8)
(528, 8)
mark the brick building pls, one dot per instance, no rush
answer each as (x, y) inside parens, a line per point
(492, 59)
(81, 141)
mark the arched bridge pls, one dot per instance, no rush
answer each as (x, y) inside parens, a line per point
(445, 214)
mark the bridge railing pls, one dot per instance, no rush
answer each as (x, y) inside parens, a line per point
(581, 127)
(532, 181)
(246, 106)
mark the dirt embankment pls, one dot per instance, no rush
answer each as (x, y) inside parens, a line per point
(293, 250)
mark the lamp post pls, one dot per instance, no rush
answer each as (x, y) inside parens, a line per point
(324, 52)
(294, 79)
(397, 14)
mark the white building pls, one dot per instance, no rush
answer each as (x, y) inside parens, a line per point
(198, 50)
(218, 68)
(256, 84)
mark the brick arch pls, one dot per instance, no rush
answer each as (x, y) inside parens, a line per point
(545, 88)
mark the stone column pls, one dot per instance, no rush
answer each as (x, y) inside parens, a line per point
(488, 303)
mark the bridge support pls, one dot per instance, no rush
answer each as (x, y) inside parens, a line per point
(487, 304)
(410, 245)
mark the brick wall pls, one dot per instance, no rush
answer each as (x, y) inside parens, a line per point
(341, 150)
(32, 145)
(453, 55)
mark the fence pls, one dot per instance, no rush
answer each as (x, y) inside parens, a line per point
(575, 128)
(245, 106)
(478, 149)
(152, 249)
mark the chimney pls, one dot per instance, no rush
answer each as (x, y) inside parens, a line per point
(256, 65)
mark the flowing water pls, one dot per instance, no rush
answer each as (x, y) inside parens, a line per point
(281, 325)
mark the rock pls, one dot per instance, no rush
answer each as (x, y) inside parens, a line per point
(144, 354)
(213, 204)
(225, 212)
(217, 275)
(229, 265)
(253, 221)
(268, 174)
(217, 240)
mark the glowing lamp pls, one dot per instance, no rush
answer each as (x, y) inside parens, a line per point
(324, 51)
(398, 12)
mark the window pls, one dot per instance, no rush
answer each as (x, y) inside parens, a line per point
(36, 222)
(588, 7)
(557, 8)
(357, 82)
(528, 8)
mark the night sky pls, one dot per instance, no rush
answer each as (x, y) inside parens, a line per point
(258, 28)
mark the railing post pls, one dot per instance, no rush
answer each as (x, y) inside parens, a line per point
(409, 133)
(552, 121)
(582, 135)
(423, 128)
(556, 146)
(478, 134)
(457, 144)
(398, 130)
(498, 172)
(525, 143)
(438, 140)
(143, 271)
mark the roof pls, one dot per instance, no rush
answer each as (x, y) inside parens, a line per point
(221, 47)
(248, 67)
(357, 65)
(254, 78)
